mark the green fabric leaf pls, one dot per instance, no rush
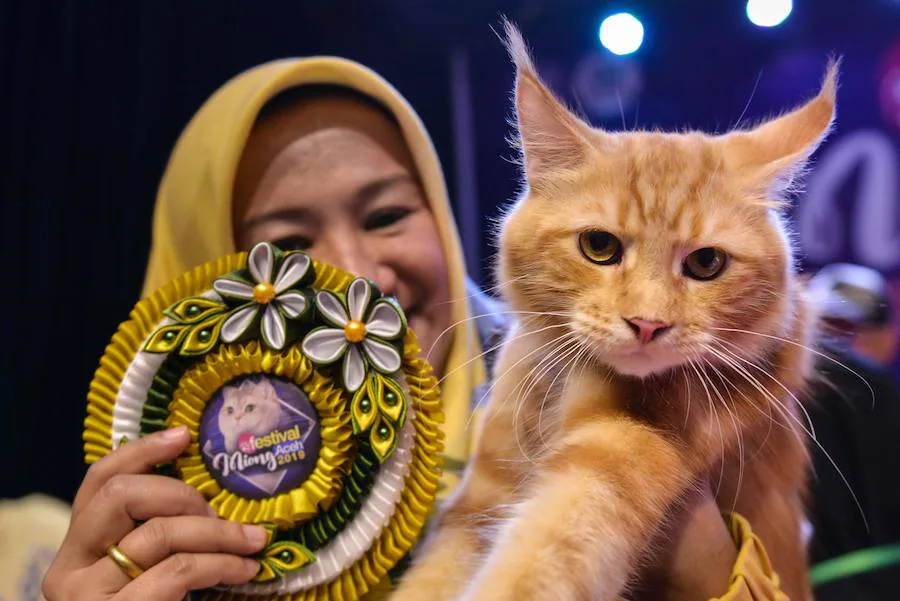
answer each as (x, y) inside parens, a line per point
(194, 309)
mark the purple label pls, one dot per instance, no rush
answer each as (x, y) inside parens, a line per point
(259, 436)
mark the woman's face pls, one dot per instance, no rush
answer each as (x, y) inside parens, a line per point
(333, 176)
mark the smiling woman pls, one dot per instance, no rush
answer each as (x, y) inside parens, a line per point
(326, 170)
(315, 154)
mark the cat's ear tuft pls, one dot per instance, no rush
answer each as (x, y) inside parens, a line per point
(552, 140)
(779, 149)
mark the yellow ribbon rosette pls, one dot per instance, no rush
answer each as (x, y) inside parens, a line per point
(310, 413)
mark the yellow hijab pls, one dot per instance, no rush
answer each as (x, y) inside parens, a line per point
(192, 221)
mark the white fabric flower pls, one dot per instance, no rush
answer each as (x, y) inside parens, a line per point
(267, 294)
(358, 332)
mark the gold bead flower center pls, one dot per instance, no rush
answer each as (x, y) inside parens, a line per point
(355, 331)
(263, 293)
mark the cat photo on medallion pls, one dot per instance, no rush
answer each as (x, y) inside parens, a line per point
(258, 436)
(662, 338)
(249, 408)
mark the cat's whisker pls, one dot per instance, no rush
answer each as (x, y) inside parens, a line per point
(498, 346)
(733, 386)
(738, 430)
(770, 420)
(535, 376)
(715, 414)
(807, 348)
(787, 414)
(753, 381)
(572, 362)
(749, 100)
(528, 314)
(553, 344)
(564, 356)
(509, 369)
(809, 421)
(501, 285)
(774, 402)
(487, 290)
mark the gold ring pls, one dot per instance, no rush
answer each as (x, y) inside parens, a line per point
(131, 569)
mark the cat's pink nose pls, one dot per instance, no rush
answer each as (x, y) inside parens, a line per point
(646, 330)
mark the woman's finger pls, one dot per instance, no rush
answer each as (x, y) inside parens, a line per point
(136, 457)
(154, 541)
(173, 578)
(112, 512)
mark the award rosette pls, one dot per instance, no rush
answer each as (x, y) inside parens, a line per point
(310, 411)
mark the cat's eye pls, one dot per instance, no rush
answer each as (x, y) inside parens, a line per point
(249, 408)
(600, 247)
(704, 263)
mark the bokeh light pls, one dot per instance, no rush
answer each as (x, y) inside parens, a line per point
(768, 13)
(621, 33)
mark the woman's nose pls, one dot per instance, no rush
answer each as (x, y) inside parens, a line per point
(355, 257)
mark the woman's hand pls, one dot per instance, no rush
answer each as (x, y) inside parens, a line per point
(694, 552)
(181, 545)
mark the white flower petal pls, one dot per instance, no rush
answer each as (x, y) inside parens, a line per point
(260, 262)
(332, 308)
(293, 268)
(238, 322)
(358, 295)
(273, 329)
(292, 304)
(383, 356)
(354, 371)
(233, 289)
(324, 345)
(385, 320)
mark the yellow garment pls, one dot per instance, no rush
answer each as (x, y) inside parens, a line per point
(752, 578)
(31, 530)
(193, 224)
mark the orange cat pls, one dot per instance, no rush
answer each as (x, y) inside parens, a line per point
(662, 335)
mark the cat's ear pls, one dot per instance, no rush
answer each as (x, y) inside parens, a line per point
(552, 140)
(268, 389)
(776, 152)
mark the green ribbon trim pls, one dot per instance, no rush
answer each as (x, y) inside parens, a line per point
(321, 529)
(165, 382)
(855, 563)
(315, 533)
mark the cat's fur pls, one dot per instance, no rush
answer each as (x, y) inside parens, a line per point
(590, 435)
(248, 407)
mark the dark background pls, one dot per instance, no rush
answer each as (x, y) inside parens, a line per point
(94, 95)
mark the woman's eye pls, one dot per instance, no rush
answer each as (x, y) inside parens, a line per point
(249, 408)
(385, 218)
(293, 243)
(705, 263)
(600, 247)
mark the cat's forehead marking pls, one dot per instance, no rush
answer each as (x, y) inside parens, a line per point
(664, 185)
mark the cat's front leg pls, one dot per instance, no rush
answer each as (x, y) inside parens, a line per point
(595, 505)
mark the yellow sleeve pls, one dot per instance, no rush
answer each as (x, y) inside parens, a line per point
(31, 530)
(752, 578)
